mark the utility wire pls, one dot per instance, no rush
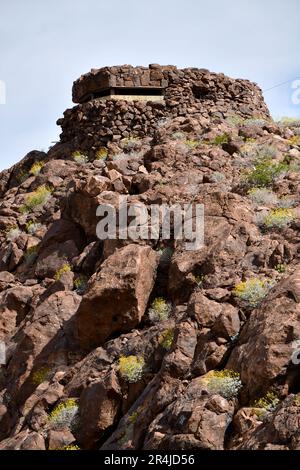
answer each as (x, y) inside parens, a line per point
(281, 84)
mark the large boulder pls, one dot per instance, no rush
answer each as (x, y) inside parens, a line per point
(117, 296)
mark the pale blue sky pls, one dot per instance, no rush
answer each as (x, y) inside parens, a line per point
(45, 45)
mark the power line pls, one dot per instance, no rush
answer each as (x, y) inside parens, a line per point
(281, 84)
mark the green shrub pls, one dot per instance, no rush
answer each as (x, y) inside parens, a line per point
(191, 143)
(130, 143)
(41, 375)
(102, 154)
(32, 227)
(71, 447)
(65, 415)
(266, 405)
(295, 140)
(131, 368)
(36, 198)
(265, 172)
(13, 233)
(36, 168)
(80, 284)
(166, 339)
(252, 291)
(79, 157)
(277, 218)
(262, 196)
(221, 139)
(160, 310)
(280, 268)
(226, 383)
(66, 268)
(297, 400)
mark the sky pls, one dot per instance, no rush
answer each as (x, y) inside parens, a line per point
(46, 45)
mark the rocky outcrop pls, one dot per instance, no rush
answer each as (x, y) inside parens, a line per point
(140, 343)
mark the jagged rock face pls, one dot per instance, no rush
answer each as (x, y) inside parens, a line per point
(88, 360)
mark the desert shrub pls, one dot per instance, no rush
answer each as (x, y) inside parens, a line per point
(31, 255)
(130, 143)
(295, 140)
(255, 122)
(286, 202)
(166, 338)
(262, 196)
(79, 157)
(200, 280)
(289, 122)
(191, 143)
(252, 291)
(41, 375)
(13, 233)
(221, 139)
(226, 383)
(265, 405)
(102, 154)
(160, 310)
(37, 198)
(133, 417)
(265, 172)
(64, 415)
(178, 135)
(131, 368)
(297, 400)
(80, 284)
(70, 447)
(36, 168)
(218, 177)
(280, 268)
(66, 268)
(32, 227)
(277, 218)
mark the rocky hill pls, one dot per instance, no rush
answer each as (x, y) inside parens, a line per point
(141, 344)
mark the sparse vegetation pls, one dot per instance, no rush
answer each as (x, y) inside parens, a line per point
(130, 143)
(221, 139)
(36, 198)
(131, 368)
(263, 196)
(13, 233)
(160, 310)
(64, 415)
(32, 227)
(226, 383)
(280, 268)
(66, 268)
(102, 154)
(80, 284)
(41, 375)
(252, 291)
(218, 177)
(265, 172)
(265, 405)
(192, 144)
(36, 168)
(277, 218)
(166, 338)
(79, 157)
(71, 447)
